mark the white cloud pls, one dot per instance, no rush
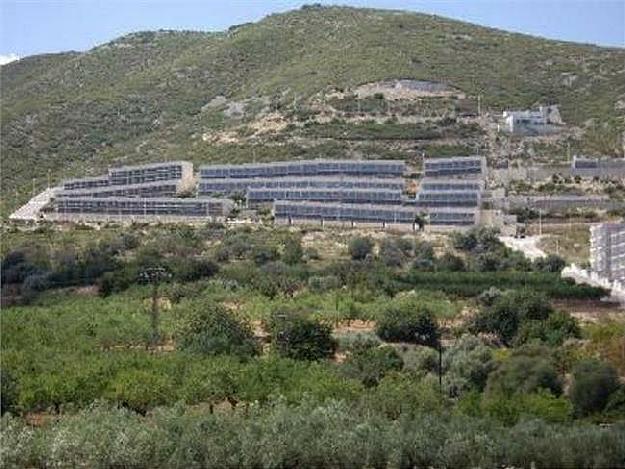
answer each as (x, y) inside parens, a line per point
(6, 58)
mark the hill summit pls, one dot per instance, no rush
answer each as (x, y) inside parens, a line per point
(319, 81)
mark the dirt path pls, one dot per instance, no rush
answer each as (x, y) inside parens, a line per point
(528, 245)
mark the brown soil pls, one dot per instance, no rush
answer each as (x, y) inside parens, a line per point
(591, 310)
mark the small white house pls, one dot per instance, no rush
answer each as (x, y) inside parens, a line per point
(531, 121)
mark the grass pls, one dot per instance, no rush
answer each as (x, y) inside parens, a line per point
(572, 242)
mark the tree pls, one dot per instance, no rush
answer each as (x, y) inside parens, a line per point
(558, 327)
(477, 240)
(424, 257)
(371, 364)
(466, 366)
(191, 270)
(264, 254)
(210, 329)
(140, 390)
(359, 248)
(154, 276)
(390, 253)
(301, 338)
(551, 263)
(508, 311)
(450, 263)
(593, 383)
(527, 370)
(402, 323)
(292, 250)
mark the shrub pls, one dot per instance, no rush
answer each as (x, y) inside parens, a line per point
(191, 270)
(8, 391)
(359, 248)
(140, 390)
(301, 338)
(508, 311)
(400, 323)
(210, 329)
(541, 404)
(450, 263)
(551, 263)
(390, 253)
(292, 250)
(527, 370)
(593, 383)
(264, 254)
(477, 240)
(371, 364)
(553, 331)
(424, 257)
(466, 366)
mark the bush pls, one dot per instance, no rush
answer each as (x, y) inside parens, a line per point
(450, 263)
(541, 404)
(551, 263)
(558, 327)
(466, 366)
(359, 248)
(292, 250)
(424, 257)
(141, 390)
(8, 391)
(191, 270)
(477, 240)
(371, 364)
(527, 370)
(593, 383)
(401, 323)
(302, 338)
(509, 311)
(264, 254)
(401, 433)
(210, 329)
(390, 253)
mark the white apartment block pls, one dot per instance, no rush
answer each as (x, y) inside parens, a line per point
(607, 250)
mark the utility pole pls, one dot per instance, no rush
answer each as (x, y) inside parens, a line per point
(479, 105)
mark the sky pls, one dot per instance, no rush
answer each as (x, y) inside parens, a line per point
(30, 27)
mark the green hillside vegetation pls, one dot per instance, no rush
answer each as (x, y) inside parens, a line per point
(268, 353)
(149, 96)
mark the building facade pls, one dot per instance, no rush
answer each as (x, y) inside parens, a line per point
(607, 251)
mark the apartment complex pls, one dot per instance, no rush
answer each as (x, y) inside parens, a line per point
(607, 251)
(230, 186)
(320, 167)
(455, 166)
(146, 192)
(317, 191)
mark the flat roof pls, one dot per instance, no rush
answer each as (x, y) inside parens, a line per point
(150, 199)
(150, 165)
(116, 187)
(294, 162)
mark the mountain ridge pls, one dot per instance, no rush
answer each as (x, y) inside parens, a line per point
(143, 96)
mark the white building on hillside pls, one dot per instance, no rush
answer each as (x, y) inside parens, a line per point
(607, 251)
(530, 121)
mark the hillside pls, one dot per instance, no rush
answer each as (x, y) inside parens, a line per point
(287, 87)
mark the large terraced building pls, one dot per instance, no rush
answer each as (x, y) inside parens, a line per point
(308, 191)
